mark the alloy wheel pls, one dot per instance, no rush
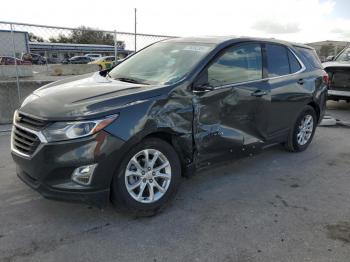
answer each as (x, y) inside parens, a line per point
(306, 128)
(148, 176)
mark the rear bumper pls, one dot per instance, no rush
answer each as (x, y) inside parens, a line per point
(338, 95)
(49, 171)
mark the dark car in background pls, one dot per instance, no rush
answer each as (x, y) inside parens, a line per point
(130, 133)
(9, 60)
(78, 60)
(55, 60)
(339, 76)
(35, 59)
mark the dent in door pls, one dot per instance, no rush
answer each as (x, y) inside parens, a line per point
(213, 115)
(228, 121)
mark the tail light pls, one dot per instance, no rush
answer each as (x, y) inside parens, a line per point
(326, 79)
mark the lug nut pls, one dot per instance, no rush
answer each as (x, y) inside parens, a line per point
(153, 173)
(151, 180)
(149, 168)
(143, 172)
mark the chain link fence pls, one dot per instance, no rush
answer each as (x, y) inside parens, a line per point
(34, 55)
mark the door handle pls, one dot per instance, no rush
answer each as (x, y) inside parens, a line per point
(300, 81)
(259, 93)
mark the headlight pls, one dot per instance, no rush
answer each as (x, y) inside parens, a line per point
(69, 130)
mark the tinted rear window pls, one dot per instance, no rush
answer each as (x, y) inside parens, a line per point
(277, 60)
(310, 57)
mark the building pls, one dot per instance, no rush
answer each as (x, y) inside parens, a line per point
(18, 43)
(60, 51)
(55, 52)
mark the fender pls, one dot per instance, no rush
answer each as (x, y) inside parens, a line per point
(169, 117)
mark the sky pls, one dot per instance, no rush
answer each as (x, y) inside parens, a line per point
(293, 20)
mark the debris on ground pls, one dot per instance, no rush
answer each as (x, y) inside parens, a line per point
(331, 121)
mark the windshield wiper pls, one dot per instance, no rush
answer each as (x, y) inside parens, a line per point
(129, 80)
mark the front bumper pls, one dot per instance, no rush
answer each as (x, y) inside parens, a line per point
(49, 170)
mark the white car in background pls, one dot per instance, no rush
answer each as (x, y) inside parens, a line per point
(338, 70)
(94, 56)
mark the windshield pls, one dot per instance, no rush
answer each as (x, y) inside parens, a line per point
(161, 63)
(344, 56)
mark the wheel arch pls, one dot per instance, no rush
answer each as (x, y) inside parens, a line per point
(317, 109)
(174, 139)
(180, 144)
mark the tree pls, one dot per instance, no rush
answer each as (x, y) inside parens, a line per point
(61, 38)
(35, 38)
(87, 35)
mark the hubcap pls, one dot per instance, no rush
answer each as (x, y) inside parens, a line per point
(305, 129)
(148, 176)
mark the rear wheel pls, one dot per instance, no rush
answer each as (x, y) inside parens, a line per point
(147, 179)
(303, 131)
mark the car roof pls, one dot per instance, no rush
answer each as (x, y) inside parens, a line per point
(103, 57)
(218, 40)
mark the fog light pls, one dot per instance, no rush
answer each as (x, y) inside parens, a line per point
(83, 175)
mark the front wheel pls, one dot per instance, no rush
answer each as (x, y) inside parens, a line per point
(303, 131)
(147, 179)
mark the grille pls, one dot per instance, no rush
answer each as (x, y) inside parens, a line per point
(30, 122)
(24, 141)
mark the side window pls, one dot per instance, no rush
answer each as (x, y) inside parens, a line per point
(293, 62)
(237, 64)
(277, 60)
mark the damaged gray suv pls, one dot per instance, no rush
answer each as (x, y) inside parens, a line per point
(128, 134)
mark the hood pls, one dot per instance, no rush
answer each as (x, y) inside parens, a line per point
(336, 64)
(84, 97)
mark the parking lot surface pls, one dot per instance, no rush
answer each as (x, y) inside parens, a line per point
(275, 206)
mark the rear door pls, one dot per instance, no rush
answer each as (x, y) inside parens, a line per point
(232, 116)
(286, 89)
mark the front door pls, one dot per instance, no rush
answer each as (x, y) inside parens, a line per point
(230, 118)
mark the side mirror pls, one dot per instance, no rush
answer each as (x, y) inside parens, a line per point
(202, 83)
(330, 58)
(104, 72)
(203, 87)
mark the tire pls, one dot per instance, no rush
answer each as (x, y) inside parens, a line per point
(296, 142)
(142, 204)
